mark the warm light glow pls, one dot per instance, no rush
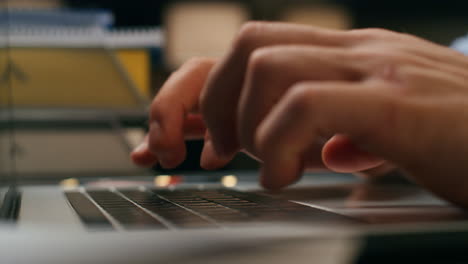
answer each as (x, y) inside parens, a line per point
(229, 181)
(70, 183)
(162, 180)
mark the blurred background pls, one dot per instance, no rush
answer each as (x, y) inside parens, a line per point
(439, 21)
(82, 73)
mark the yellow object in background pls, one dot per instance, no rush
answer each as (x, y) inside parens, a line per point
(326, 16)
(70, 77)
(138, 66)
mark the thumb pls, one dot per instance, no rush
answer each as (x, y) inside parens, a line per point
(341, 154)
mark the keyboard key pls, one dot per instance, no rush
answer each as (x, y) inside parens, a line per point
(91, 216)
(289, 211)
(194, 209)
(169, 211)
(212, 210)
(126, 213)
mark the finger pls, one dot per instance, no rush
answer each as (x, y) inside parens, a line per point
(142, 156)
(316, 110)
(227, 78)
(409, 81)
(194, 127)
(330, 152)
(266, 82)
(340, 154)
(169, 110)
(225, 82)
(209, 159)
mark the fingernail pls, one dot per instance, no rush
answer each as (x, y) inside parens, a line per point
(142, 147)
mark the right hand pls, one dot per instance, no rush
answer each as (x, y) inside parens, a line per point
(297, 96)
(175, 117)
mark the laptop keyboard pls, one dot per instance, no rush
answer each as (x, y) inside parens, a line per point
(182, 209)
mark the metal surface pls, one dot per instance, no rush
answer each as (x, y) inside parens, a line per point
(375, 203)
(45, 207)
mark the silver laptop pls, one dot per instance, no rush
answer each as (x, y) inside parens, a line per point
(70, 194)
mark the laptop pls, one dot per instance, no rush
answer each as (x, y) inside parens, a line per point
(70, 195)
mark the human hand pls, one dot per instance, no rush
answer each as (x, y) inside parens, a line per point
(297, 97)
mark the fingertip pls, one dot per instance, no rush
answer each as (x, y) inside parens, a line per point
(281, 166)
(269, 184)
(279, 176)
(170, 150)
(272, 184)
(210, 160)
(171, 159)
(143, 158)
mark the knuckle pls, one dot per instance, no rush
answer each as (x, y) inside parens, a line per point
(382, 61)
(372, 53)
(411, 78)
(375, 34)
(261, 61)
(376, 31)
(372, 34)
(192, 64)
(197, 60)
(248, 34)
(406, 73)
(381, 57)
(302, 98)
